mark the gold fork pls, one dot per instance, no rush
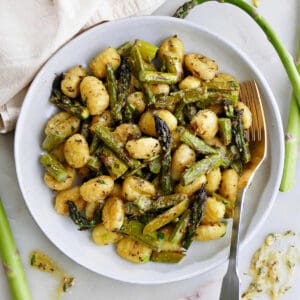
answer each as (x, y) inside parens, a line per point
(256, 135)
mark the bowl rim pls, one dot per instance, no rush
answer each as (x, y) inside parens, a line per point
(248, 236)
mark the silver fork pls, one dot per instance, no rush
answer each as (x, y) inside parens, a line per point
(258, 146)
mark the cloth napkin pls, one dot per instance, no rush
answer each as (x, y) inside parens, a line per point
(32, 30)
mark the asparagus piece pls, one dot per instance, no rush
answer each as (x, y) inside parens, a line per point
(138, 65)
(115, 166)
(123, 86)
(148, 51)
(180, 229)
(113, 143)
(200, 96)
(165, 139)
(173, 64)
(54, 167)
(166, 217)
(157, 77)
(196, 143)
(134, 229)
(155, 165)
(53, 140)
(79, 219)
(179, 112)
(239, 138)
(225, 130)
(115, 105)
(286, 58)
(215, 86)
(201, 167)
(124, 49)
(197, 210)
(11, 260)
(167, 256)
(94, 144)
(94, 163)
(72, 106)
(292, 137)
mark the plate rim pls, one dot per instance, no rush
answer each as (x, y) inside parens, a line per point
(248, 236)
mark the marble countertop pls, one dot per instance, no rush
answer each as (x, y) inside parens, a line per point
(239, 29)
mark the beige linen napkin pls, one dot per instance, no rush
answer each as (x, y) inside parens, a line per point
(32, 30)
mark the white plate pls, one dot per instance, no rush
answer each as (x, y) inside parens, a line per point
(36, 109)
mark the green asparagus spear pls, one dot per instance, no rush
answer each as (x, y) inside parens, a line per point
(79, 219)
(225, 130)
(167, 256)
(94, 144)
(155, 165)
(72, 106)
(113, 143)
(179, 113)
(84, 131)
(179, 231)
(165, 139)
(167, 201)
(53, 140)
(239, 137)
(166, 217)
(157, 77)
(11, 260)
(115, 105)
(123, 85)
(134, 229)
(54, 167)
(115, 166)
(201, 167)
(124, 49)
(94, 163)
(148, 51)
(197, 210)
(196, 143)
(173, 64)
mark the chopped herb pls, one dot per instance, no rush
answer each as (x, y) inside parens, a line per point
(100, 181)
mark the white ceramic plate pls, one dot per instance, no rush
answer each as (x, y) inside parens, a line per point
(36, 109)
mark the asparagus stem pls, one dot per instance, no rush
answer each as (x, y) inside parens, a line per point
(11, 260)
(292, 137)
(201, 167)
(282, 52)
(157, 77)
(225, 130)
(165, 139)
(147, 50)
(124, 49)
(54, 167)
(115, 105)
(167, 256)
(53, 140)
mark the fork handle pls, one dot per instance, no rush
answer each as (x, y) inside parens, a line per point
(231, 282)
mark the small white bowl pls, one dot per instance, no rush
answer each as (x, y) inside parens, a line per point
(36, 109)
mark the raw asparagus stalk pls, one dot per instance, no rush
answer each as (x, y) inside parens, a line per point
(113, 143)
(166, 217)
(197, 210)
(123, 86)
(284, 55)
(115, 105)
(165, 139)
(167, 256)
(157, 77)
(225, 130)
(196, 143)
(201, 167)
(11, 260)
(115, 166)
(148, 51)
(54, 167)
(72, 106)
(292, 137)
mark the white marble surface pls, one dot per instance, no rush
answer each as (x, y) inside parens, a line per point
(238, 28)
